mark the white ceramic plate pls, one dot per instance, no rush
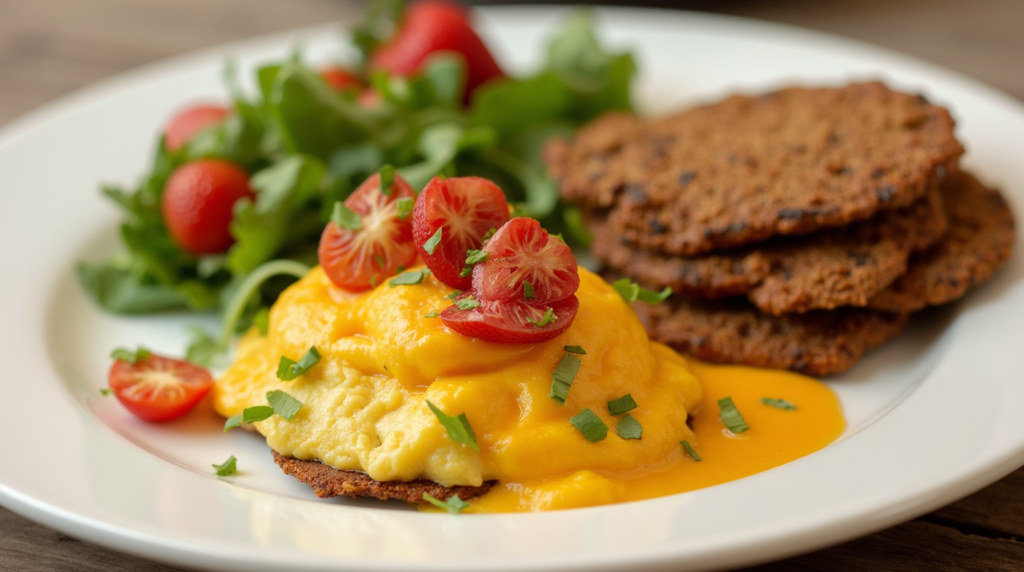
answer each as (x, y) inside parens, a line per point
(933, 416)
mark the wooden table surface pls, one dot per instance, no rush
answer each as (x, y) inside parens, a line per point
(51, 47)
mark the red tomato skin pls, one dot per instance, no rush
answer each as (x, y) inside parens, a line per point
(470, 204)
(348, 256)
(522, 250)
(505, 322)
(340, 79)
(437, 26)
(198, 204)
(193, 384)
(186, 124)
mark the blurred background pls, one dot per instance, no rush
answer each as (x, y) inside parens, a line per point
(51, 47)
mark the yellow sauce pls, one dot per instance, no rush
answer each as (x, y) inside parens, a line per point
(364, 402)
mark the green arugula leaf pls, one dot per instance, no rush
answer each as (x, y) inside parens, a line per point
(227, 467)
(458, 427)
(454, 505)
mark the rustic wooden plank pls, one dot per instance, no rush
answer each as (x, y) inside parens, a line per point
(911, 547)
(996, 511)
(29, 547)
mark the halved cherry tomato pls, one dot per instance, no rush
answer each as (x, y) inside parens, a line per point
(186, 124)
(436, 26)
(465, 209)
(358, 260)
(512, 322)
(198, 204)
(159, 388)
(522, 251)
(340, 79)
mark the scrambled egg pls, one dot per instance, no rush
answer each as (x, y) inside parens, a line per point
(364, 402)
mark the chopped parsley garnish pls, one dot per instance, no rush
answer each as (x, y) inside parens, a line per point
(106, 391)
(563, 376)
(132, 357)
(379, 260)
(262, 320)
(288, 369)
(458, 427)
(409, 278)
(629, 428)
(405, 205)
(466, 271)
(227, 467)
(488, 235)
(284, 405)
(249, 415)
(689, 451)
(549, 317)
(730, 416)
(575, 350)
(590, 425)
(631, 292)
(454, 505)
(387, 179)
(431, 244)
(474, 256)
(622, 404)
(467, 303)
(527, 290)
(345, 217)
(779, 403)
(431, 314)
(454, 295)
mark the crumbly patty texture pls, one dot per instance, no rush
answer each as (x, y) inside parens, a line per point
(815, 343)
(832, 268)
(752, 167)
(979, 242)
(329, 482)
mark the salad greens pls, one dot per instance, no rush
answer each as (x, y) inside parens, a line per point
(308, 146)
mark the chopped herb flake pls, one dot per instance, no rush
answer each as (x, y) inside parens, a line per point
(431, 244)
(489, 234)
(549, 317)
(431, 314)
(527, 290)
(631, 292)
(248, 415)
(379, 260)
(629, 428)
(345, 217)
(466, 271)
(105, 391)
(132, 357)
(563, 376)
(409, 278)
(458, 427)
(453, 505)
(590, 425)
(288, 369)
(405, 205)
(284, 405)
(474, 256)
(689, 451)
(262, 320)
(467, 303)
(621, 405)
(730, 416)
(387, 179)
(779, 403)
(227, 467)
(454, 295)
(575, 350)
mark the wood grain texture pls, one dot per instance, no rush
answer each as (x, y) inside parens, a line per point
(52, 47)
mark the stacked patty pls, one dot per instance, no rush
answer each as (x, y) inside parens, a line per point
(798, 228)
